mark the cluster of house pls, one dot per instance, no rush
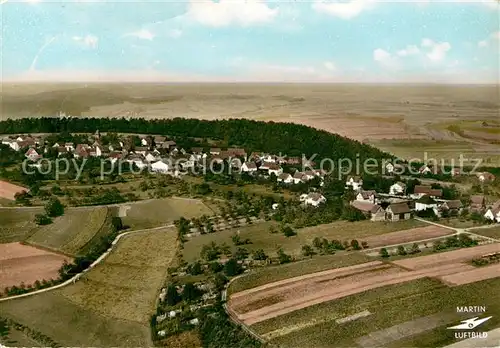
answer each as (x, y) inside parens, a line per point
(382, 207)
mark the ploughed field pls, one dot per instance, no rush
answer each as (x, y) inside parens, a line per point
(282, 297)
(26, 264)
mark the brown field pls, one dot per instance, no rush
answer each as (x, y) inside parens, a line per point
(8, 190)
(474, 275)
(363, 112)
(455, 256)
(407, 236)
(279, 298)
(25, 264)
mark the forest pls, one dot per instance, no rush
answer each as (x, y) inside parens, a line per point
(288, 138)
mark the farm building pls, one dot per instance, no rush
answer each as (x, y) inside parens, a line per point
(397, 188)
(374, 211)
(421, 190)
(425, 202)
(314, 199)
(398, 211)
(355, 182)
(493, 212)
(366, 196)
(477, 203)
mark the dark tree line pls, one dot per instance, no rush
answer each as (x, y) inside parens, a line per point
(287, 138)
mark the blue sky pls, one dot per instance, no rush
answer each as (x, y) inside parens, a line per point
(253, 40)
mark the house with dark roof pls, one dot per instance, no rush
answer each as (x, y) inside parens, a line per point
(425, 202)
(453, 207)
(285, 178)
(398, 211)
(366, 196)
(477, 203)
(374, 211)
(422, 190)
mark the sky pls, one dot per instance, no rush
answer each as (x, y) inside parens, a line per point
(361, 41)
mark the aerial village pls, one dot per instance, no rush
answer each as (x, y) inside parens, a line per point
(149, 153)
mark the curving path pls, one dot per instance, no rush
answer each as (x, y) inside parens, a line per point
(95, 263)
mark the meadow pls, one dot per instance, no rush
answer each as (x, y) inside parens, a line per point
(17, 224)
(159, 212)
(109, 305)
(70, 232)
(261, 238)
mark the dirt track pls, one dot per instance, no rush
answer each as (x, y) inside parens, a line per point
(275, 299)
(475, 275)
(408, 236)
(25, 264)
(454, 256)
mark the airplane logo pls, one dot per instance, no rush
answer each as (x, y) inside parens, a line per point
(469, 324)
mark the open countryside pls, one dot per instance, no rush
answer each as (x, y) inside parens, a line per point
(250, 174)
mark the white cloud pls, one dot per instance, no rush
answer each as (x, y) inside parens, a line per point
(142, 34)
(231, 12)
(344, 10)
(89, 41)
(492, 37)
(482, 43)
(380, 55)
(330, 66)
(410, 50)
(175, 33)
(436, 50)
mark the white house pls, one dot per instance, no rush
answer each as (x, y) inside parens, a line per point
(150, 157)
(12, 143)
(425, 202)
(144, 142)
(160, 167)
(310, 174)
(485, 176)
(424, 170)
(366, 196)
(397, 188)
(285, 178)
(299, 177)
(266, 165)
(315, 199)
(355, 182)
(32, 155)
(269, 158)
(249, 167)
(141, 164)
(389, 168)
(303, 197)
(275, 169)
(275, 206)
(70, 147)
(493, 213)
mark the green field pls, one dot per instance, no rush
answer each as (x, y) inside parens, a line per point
(71, 325)
(70, 232)
(158, 212)
(17, 224)
(261, 238)
(493, 232)
(315, 326)
(266, 275)
(110, 305)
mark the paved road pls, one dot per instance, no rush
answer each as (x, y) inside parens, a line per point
(492, 341)
(95, 263)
